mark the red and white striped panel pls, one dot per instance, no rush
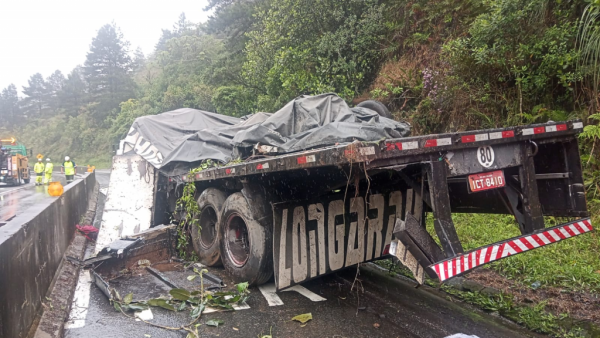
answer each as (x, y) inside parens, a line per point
(454, 266)
(474, 138)
(502, 134)
(437, 142)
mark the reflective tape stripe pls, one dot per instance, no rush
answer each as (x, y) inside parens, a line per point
(474, 138)
(554, 235)
(574, 229)
(409, 145)
(262, 166)
(528, 131)
(311, 158)
(577, 125)
(438, 142)
(451, 267)
(496, 135)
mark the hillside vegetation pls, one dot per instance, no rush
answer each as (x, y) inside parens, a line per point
(442, 65)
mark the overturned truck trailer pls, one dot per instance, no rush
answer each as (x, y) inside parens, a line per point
(324, 187)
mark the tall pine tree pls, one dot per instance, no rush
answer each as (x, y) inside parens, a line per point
(54, 85)
(108, 69)
(9, 106)
(36, 102)
(74, 92)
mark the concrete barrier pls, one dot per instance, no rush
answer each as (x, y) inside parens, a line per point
(31, 249)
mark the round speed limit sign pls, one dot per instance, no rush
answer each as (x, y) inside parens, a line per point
(485, 156)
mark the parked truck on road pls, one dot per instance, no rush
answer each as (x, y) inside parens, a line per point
(14, 164)
(296, 211)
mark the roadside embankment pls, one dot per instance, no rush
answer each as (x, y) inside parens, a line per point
(32, 246)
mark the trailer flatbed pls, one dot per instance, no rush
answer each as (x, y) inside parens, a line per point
(324, 209)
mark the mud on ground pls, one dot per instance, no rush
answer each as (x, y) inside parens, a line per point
(579, 305)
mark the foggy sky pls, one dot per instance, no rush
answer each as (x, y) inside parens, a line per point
(46, 35)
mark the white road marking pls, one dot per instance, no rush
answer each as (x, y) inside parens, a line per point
(461, 335)
(270, 293)
(306, 293)
(81, 301)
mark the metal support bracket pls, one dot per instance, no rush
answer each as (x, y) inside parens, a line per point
(440, 198)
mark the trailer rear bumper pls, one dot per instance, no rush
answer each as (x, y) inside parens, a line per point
(455, 266)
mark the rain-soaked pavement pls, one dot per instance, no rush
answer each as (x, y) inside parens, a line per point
(16, 199)
(377, 306)
(378, 309)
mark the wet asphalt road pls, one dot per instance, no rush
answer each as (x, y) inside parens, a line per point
(384, 306)
(16, 199)
(102, 177)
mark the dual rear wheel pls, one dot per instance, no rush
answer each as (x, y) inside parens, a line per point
(229, 234)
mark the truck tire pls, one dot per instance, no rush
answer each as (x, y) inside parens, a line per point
(246, 245)
(206, 234)
(377, 106)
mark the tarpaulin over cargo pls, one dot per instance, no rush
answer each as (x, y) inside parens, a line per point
(178, 140)
(316, 121)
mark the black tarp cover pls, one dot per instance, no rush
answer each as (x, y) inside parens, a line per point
(178, 140)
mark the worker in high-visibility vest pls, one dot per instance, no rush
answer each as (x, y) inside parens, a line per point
(48, 171)
(69, 168)
(39, 171)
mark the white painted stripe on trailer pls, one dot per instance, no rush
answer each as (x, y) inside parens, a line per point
(442, 271)
(482, 253)
(528, 131)
(81, 301)
(496, 135)
(554, 235)
(473, 259)
(367, 151)
(444, 141)
(550, 128)
(410, 145)
(481, 137)
(450, 271)
(574, 229)
(532, 241)
(564, 232)
(577, 125)
(495, 249)
(458, 266)
(306, 293)
(269, 291)
(548, 237)
(583, 226)
(543, 238)
(521, 246)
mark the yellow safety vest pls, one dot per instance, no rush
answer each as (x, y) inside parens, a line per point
(38, 168)
(69, 168)
(49, 168)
